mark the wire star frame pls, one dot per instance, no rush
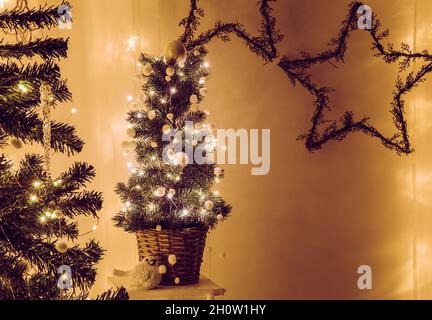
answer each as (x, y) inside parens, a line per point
(298, 71)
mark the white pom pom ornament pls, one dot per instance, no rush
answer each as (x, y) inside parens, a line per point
(17, 144)
(175, 50)
(151, 115)
(61, 247)
(131, 132)
(147, 70)
(193, 99)
(209, 205)
(172, 259)
(162, 269)
(160, 192)
(170, 71)
(166, 129)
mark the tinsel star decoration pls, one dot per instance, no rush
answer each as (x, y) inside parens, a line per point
(298, 71)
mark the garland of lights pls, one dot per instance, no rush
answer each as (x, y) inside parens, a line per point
(298, 71)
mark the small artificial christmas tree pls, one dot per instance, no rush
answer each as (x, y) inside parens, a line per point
(169, 195)
(37, 212)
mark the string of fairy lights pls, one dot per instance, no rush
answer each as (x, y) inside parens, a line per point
(178, 160)
(48, 215)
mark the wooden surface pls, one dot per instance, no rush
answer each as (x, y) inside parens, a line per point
(204, 290)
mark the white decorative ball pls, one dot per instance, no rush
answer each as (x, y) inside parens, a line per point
(61, 247)
(196, 53)
(172, 259)
(193, 99)
(162, 269)
(142, 97)
(131, 132)
(220, 217)
(167, 78)
(209, 205)
(175, 50)
(17, 144)
(170, 116)
(133, 144)
(177, 280)
(159, 228)
(151, 114)
(147, 70)
(160, 192)
(203, 91)
(166, 129)
(218, 171)
(170, 71)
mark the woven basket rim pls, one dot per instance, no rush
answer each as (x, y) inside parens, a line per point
(176, 229)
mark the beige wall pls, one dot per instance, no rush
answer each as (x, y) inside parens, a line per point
(301, 231)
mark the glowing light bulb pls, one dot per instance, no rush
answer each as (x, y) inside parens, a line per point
(163, 101)
(139, 115)
(138, 187)
(216, 193)
(33, 198)
(57, 183)
(206, 65)
(94, 228)
(202, 81)
(129, 98)
(22, 88)
(37, 184)
(185, 212)
(128, 204)
(152, 93)
(132, 43)
(173, 90)
(42, 219)
(74, 110)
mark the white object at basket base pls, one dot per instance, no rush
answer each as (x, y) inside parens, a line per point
(204, 290)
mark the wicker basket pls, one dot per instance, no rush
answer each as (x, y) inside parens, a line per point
(188, 246)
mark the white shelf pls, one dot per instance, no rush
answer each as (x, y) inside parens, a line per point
(204, 290)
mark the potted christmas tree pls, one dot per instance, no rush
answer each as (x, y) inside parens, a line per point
(168, 200)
